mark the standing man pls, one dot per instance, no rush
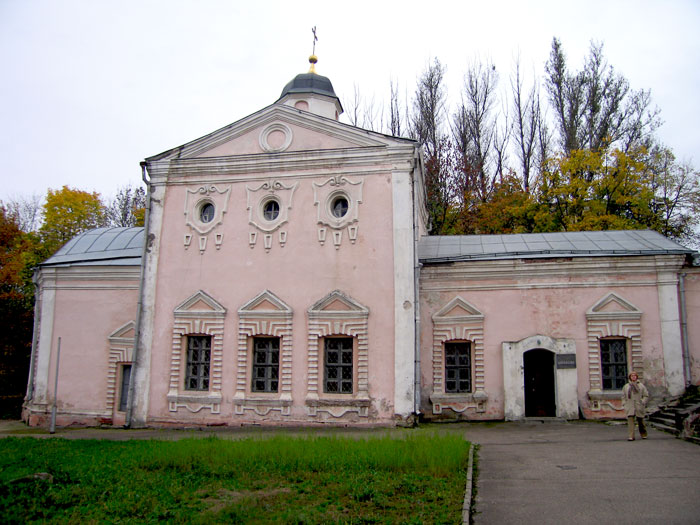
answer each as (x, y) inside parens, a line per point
(634, 399)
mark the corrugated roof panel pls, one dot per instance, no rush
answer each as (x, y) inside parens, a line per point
(560, 244)
(102, 245)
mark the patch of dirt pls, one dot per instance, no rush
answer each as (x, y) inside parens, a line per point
(224, 497)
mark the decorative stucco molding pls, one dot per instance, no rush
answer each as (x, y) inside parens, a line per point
(565, 379)
(199, 314)
(264, 315)
(325, 194)
(612, 316)
(121, 346)
(268, 190)
(195, 199)
(337, 314)
(458, 320)
(275, 137)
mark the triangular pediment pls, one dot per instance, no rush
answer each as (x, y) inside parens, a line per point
(200, 304)
(126, 331)
(458, 310)
(612, 305)
(278, 129)
(265, 303)
(338, 303)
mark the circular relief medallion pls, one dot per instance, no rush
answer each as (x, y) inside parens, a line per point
(275, 137)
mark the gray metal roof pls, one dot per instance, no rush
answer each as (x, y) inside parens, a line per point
(103, 246)
(446, 248)
(309, 83)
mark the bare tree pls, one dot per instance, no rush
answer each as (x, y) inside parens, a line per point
(394, 111)
(526, 119)
(353, 107)
(25, 212)
(501, 138)
(126, 207)
(429, 108)
(474, 123)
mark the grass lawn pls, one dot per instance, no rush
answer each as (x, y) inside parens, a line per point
(417, 478)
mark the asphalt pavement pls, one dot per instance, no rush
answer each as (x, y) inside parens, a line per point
(583, 472)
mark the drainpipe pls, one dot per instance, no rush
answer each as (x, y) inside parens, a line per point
(684, 330)
(139, 304)
(416, 289)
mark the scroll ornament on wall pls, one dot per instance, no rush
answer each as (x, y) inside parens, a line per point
(337, 202)
(268, 211)
(204, 213)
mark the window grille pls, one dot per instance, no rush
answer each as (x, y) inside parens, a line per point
(458, 367)
(613, 360)
(266, 364)
(337, 370)
(198, 360)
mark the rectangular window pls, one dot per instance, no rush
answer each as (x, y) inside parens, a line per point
(337, 365)
(613, 361)
(124, 392)
(266, 364)
(458, 367)
(198, 360)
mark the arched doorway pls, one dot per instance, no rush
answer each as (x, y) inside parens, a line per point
(540, 399)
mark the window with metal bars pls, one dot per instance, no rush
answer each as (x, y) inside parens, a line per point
(458, 367)
(338, 365)
(266, 364)
(198, 361)
(613, 363)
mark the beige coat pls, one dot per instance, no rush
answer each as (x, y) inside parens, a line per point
(635, 403)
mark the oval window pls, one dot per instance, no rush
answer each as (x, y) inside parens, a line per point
(339, 207)
(206, 212)
(271, 210)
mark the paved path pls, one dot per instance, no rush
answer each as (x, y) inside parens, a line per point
(571, 473)
(583, 472)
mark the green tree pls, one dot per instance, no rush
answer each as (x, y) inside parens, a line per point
(68, 212)
(16, 313)
(598, 190)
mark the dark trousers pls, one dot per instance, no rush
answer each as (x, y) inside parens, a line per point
(640, 422)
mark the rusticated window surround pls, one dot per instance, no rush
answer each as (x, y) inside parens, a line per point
(121, 346)
(612, 316)
(199, 315)
(337, 314)
(458, 320)
(264, 315)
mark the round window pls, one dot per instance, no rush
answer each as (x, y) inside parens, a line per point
(206, 212)
(271, 210)
(339, 207)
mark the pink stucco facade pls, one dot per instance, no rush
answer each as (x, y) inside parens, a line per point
(282, 283)
(555, 299)
(691, 281)
(83, 311)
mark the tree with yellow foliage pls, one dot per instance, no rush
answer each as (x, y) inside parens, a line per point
(68, 212)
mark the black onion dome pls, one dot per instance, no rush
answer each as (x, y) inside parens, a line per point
(309, 83)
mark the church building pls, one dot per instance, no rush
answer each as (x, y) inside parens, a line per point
(285, 276)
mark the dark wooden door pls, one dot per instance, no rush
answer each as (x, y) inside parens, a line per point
(539, 383)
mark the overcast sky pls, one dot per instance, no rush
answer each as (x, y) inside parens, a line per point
(90, 88)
